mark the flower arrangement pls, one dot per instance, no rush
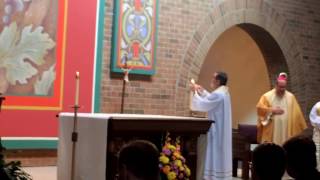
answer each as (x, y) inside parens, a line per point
(172, 163)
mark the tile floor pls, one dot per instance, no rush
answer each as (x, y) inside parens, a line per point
(49, 173)
(42, 173)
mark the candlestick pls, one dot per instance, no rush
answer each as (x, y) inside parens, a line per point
(77, 88)
(74, 135)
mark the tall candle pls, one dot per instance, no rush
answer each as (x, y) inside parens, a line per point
(77, 88)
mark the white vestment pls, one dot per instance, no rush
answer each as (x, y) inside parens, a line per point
(315, 121)
(280, 122)
(215, 148)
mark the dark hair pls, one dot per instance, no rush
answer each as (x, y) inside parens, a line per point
(301, 155)
(268, 161)
(141, 158)
(222, 77)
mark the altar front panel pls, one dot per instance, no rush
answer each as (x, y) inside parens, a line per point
(98, 132)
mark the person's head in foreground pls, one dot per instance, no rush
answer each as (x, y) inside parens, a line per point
(268, 162)
(139, 160)
(301, 158)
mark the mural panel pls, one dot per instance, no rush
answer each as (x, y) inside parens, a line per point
(41, 80)
(31, 53)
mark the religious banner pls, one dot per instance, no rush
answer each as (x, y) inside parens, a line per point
(134, 36)
(32, 36)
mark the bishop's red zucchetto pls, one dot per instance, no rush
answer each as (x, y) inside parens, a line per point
(282, 76)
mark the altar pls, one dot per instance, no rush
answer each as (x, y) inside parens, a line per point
(100, 136)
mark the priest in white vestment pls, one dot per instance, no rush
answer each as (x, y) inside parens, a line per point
(315, 121)
(215, 148)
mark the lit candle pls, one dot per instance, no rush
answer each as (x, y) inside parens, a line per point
(77, 88)
(192, 81)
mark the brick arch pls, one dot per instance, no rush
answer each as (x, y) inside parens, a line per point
(257, 16)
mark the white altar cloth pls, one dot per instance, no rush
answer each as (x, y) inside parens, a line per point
(90, 155)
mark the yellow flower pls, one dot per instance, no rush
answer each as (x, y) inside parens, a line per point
(178, 163)
(177, 155)
(164, 159)
(181, 168)
(188, 172)
(172, 147)
(171, 176)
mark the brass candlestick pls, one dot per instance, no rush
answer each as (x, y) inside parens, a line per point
(74, 135)
(74, 139)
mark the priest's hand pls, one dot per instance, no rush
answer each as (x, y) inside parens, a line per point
(277, 111)
(196, 88)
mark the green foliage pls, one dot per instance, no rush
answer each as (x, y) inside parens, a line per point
(15, 172)
(12, 170)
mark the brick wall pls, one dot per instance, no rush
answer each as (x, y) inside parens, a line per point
(186, 31)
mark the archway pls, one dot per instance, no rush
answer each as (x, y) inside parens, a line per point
(249, 55)
(264, 25)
